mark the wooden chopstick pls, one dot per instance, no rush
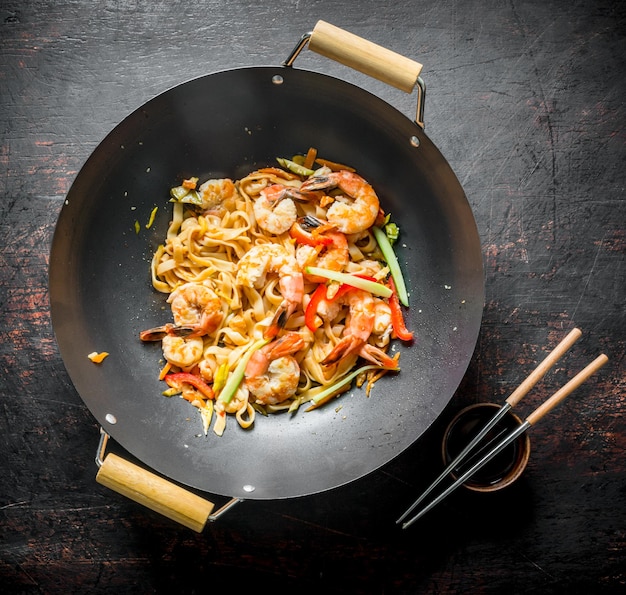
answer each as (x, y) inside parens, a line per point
(531, 420)
(515, 397)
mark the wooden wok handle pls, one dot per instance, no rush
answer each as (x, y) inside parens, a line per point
(154, 492)
(364, 56)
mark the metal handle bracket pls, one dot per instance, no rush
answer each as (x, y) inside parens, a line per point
(366, 57)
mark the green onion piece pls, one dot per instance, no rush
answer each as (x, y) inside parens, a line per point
(170, 392)
(392, 232)
(137, 227)
(295, 167)
(392, 262)
(234, 380)
(152, 216)
(372, 286)
(319, 398)
(178, 193)
(221, 374)
(184, 195)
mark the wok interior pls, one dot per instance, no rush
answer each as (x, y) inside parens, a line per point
(228, 124)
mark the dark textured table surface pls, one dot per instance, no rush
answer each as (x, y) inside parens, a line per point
(526, 100)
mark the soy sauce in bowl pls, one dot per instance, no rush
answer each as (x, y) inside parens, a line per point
(505, 467)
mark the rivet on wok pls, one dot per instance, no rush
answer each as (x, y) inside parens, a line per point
(277, 79)
(111, 418)
(248, 488)
(414, 141)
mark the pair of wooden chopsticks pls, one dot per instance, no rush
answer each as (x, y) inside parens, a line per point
(515, 397)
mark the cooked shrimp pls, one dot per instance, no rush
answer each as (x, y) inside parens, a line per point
(331, 253)
(196, 309)
(183, 352)
(275, 210)
(272, 374)
(196, 306)
(359, 326)
(354, 212)
(273, 258)
(217, 193)
(381, 332)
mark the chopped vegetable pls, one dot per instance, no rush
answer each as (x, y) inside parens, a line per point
(151, 218)
(176, 380)
(392, 231)
(295, 167)
(355, 281)
(324, 396)
(309, 160)
(170, 392)
(190, 184)
(392, 262)
(165, 370)
(334, 166)
(206, 414)
(234, 380)
(185, 195)
(397, 317)
(221, 374)
(97, 358)
(310, 314)
(137, 226)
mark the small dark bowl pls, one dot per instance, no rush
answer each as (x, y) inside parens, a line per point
(502, 470)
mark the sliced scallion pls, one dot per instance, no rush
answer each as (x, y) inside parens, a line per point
(372, 286)
(234, 380)
(151, 218)
(321, 397)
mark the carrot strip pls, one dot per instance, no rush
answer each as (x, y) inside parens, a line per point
(309, 160)
(333, 165)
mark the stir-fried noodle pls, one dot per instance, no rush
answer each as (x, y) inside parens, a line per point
(254, 328)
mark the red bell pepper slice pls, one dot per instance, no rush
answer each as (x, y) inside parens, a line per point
(397, 317)
(175, 380)
(310, 314)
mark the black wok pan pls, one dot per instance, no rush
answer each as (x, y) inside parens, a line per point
(227, 124)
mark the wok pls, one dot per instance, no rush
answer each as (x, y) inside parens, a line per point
(227, 124)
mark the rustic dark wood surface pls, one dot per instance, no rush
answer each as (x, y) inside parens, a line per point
(526, 100)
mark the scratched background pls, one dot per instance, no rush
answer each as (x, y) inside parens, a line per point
(526, 100)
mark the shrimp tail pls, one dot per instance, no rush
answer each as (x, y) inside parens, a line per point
(377, 356)
(349, 344)
(169, 329)
(316, 183)
(278, 322)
